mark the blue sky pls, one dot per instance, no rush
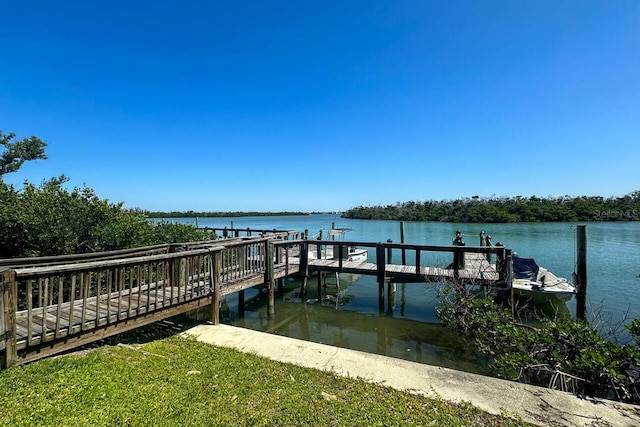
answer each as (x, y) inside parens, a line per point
(318, 106)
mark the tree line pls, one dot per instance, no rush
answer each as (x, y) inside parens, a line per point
(194, 214)
(49, 219)
(508, 209)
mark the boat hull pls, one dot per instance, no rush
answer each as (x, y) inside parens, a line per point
(538, 293)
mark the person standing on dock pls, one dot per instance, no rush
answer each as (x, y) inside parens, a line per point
(458, 240)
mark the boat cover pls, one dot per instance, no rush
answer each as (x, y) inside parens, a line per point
(525, 268)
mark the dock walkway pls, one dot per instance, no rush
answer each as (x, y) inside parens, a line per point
(53, 304)
(476, 269)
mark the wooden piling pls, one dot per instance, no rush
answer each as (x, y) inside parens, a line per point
(581, 288)
(304, 266)
(9, 305)
(391, 296)
(404, 253)
(241, 302)
(271, 306)
(508, 260)
(279, 260)
(215, 271)
(380, 274)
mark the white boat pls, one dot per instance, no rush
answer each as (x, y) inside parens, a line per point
(537, 283)
(329, 251)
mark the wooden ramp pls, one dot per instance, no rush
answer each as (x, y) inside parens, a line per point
(37, 326)
(62, 306)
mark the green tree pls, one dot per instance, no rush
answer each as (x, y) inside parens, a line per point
(18, 152)
(50, 220)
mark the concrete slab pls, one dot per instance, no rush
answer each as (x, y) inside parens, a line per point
(534, 404)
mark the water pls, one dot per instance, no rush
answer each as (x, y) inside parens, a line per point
(410, 330)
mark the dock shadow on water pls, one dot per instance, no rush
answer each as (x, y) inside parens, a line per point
(409, 330)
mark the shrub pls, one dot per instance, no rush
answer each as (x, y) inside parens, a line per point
(566, 354)
(51, 220)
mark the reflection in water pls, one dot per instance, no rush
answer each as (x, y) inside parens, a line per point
(357, 324)
(613, 258)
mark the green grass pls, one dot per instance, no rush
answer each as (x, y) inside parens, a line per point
(178, 381)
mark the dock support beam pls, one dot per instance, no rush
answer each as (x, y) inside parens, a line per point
(581, 296)
(391, 297)
(241, 302)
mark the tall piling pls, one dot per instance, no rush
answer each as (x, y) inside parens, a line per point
(581, 267)
(404, 254)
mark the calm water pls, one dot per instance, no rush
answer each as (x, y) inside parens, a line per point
(410, 330)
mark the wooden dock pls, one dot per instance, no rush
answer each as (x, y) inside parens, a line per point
(52, 304)
(477, 270)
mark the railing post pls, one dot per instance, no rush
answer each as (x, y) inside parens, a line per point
(380, 262)
(177, 271)
(508, 261)
(458, 254)
(9, 306)
(500, 256)
(278, 253)
(304, 265)
(270, 279)
(215, 271)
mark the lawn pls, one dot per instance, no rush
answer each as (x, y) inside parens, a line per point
(179, 381)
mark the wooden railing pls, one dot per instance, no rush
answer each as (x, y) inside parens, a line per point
(52, 304)
(383, 255)
(45, 302)
(8, 263)
(227, 233)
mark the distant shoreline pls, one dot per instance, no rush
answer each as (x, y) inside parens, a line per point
(507, 210)
(191, 214)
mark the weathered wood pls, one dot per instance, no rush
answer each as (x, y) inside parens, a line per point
(9, 296)
(270, 279)
(391, 296)
(104, 331)
(70, 301)
(2, 324)
(403, 251)
(581, 289)
(29, 310)
(15, 263)
(215, 263)
(60, 299)
(381, 273)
